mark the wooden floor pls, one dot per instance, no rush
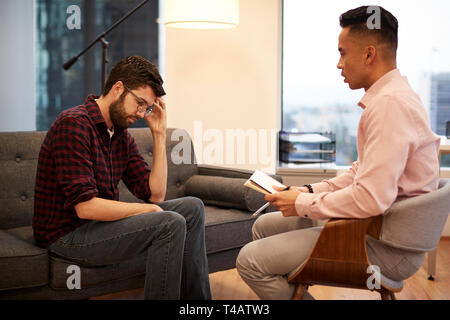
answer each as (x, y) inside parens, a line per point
(228, 285)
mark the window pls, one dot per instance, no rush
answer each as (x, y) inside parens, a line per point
(315, 98)
(58, 89)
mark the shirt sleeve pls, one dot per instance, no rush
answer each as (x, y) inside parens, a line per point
(137, 173)
(339, 182)
(72, 154)
(388, 139)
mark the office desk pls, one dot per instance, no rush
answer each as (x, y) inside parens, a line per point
(444, 148)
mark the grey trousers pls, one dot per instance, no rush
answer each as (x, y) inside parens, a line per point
(282, 244)
(173, 242)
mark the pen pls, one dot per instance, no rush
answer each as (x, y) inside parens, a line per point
(257, 212)
(260, 209)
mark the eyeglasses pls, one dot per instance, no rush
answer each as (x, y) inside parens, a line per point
(142, 105)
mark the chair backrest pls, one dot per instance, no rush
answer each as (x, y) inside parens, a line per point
(416, 224)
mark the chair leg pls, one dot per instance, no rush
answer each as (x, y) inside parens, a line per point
(431, 264)
(299, 292)
(387, 295)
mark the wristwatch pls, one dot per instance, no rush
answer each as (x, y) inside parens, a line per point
(310, 189)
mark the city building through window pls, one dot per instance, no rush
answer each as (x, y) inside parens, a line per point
(64, 28)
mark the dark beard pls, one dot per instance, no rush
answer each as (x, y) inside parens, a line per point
(118, 115)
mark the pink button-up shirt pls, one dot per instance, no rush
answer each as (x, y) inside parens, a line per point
(397, 157)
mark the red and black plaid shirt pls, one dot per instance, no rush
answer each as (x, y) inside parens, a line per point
(79, 161)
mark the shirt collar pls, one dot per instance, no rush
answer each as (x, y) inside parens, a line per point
(376, 88)
(95, 114)
(93, 109)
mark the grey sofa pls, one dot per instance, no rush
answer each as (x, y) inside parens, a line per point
(29, 272)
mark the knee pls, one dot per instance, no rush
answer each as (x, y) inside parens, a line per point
(194, 203)
(176, 222)
(197, 207)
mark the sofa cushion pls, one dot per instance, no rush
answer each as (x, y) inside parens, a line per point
(224, 192)
(22, 263)
(226, 229)
(24, 233)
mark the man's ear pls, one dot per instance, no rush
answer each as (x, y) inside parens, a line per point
(117, 89)
(369, 54)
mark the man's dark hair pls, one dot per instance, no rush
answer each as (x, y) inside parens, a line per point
(357, 20)
(135, 72)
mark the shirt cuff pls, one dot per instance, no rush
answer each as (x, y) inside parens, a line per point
(303, 204)
(320, 187)
(73, 200)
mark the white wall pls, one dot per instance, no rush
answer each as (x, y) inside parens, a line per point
(228, 79)
(17, 75)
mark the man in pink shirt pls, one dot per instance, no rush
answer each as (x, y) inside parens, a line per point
(397, 159)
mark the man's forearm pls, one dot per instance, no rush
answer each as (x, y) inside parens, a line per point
(158, 175)
(110, 210)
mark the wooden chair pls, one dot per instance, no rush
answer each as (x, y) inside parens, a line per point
(339, 257)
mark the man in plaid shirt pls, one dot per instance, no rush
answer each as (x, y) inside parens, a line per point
(85, 154)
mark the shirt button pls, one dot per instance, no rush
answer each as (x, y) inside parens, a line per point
(18, 159)
(150, 153)
(23, 197)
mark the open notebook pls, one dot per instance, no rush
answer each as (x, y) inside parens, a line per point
(263, 183)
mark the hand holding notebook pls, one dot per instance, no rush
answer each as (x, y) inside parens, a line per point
(263, 183)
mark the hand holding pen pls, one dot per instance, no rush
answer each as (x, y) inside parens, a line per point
(285, 201)
(257, 212)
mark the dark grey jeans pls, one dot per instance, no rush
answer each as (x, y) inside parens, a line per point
(173, 241)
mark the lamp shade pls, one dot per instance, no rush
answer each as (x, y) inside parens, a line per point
(201, 14)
